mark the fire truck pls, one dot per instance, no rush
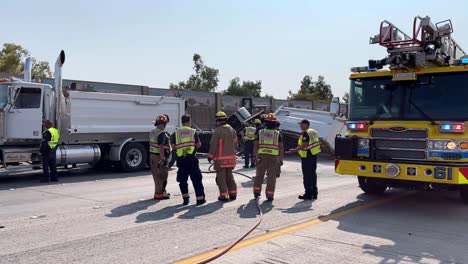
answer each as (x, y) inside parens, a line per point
(408, 113)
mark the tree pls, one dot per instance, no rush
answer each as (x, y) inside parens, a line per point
(346, 98)
(204, 79)
(11, 58)
(247, 88)
(317, 91)
(41, 70)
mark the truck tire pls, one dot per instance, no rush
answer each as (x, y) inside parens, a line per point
(133, 157)
(370, 186)
(464, 193)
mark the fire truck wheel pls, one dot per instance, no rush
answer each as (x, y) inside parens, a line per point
(370, 186)
(464, 193)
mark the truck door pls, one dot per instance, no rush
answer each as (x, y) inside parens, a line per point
(24, 119)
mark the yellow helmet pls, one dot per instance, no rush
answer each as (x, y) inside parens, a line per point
(221, 115)
(257, 121)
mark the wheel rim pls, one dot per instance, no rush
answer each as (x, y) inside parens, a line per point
(134, 157)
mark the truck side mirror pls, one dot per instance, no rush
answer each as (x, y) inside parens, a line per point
(335, 106)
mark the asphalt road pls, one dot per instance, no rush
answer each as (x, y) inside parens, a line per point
(108, 217)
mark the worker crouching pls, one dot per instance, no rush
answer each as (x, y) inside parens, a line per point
(268, 152)
(223, 152)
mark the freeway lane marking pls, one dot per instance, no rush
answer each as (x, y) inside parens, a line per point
(292, 228)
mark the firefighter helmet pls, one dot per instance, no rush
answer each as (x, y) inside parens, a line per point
(271, 118)
(221, 115)
(160, 119)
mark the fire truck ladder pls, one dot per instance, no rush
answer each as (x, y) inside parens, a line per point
(429, 46)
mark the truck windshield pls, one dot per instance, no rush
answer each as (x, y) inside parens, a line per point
(432, 96)
(3, 95)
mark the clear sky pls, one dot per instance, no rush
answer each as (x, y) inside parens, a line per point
(152, 42)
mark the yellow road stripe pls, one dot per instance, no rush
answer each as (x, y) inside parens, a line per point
(290, 229)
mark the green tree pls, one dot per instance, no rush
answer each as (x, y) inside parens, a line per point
(41, 70)
(317, 91)
(346, 98)
(247, 88)
(11, 58)
(204, 79)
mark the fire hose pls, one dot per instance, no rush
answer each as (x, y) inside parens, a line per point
(233, 244)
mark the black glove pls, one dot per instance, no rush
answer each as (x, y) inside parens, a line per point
(209, 160)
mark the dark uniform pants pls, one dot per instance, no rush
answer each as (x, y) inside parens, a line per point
(160, 173)
(189, 166)
(309, 167)
(248, 152)
(270, 165)
(225, 181)
(49, 165)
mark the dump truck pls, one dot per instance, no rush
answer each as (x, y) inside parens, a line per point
(95, 128)
(408, 113)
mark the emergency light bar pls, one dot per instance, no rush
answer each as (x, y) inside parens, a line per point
(357, 126)
(452, 128)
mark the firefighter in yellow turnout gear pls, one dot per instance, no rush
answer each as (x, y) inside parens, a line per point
(159, 153)
(249, 138)
(308, 146)
(268, 152)
(223, 152)
(185, 141)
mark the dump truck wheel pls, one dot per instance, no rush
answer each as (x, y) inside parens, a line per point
(134, 157)
(464, 193)
(370, 186)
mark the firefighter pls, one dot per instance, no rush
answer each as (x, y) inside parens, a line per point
(268, 153)
(185, 141)
(50, 139)
(159, 153)
(261, 125)
(223, 152)
(308, 146)
(278, 124)
(249, 138)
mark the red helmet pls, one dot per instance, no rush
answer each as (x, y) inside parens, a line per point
(160, 119)
(271, 118)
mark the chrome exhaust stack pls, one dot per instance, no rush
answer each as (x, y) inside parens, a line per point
(58, 89)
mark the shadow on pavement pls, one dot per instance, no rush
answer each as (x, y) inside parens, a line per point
(164, 213)
(131, 208)
(419, 227)
(206, 209)
(299, 207)
(250, 209)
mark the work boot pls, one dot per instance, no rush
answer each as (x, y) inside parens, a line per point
(245, 167)
(270, 199)
(256, 195)
(186, 201)
(233, 197)
(200, 202)
(252, 166)
(162, 197)
(223, 198)
(305, 197)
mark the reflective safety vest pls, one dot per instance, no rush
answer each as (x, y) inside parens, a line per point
(153, 141)
(185, 141)
(54, 137)
(249, 133)
(268, 142)
(314, 144)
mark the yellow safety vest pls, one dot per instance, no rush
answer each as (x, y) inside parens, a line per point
(314, 144)
(268, 142)
(153, 141)
(54, 137)
(185, 141)
(249, 133)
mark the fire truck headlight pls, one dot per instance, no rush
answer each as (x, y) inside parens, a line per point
(363, 143)
(437, 145)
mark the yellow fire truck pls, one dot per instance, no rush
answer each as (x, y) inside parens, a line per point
(408, 113)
